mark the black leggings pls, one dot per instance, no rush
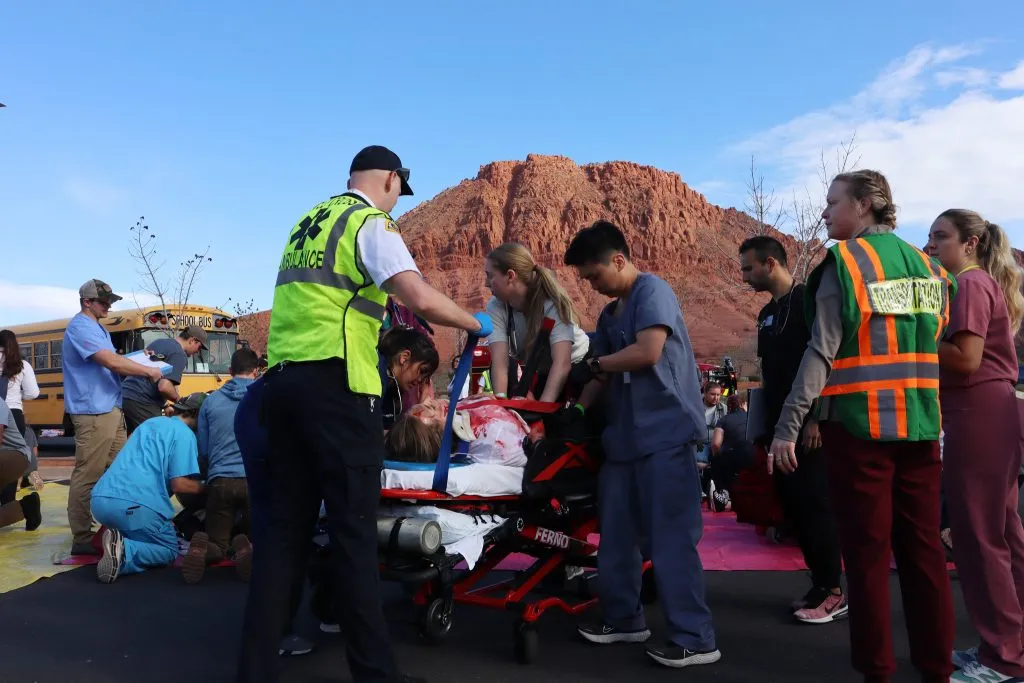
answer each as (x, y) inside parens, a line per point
(805, 501)
(8, 492)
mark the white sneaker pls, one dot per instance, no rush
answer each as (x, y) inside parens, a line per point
(977, 672)
(109, 566)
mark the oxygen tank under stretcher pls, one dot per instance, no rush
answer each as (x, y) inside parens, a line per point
(409, 534)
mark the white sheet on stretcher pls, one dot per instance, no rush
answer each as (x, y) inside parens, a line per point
(461, 534)
(470, 480)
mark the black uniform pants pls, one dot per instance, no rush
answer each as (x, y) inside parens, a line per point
(137, 412)
(807, 506)
(326, 443)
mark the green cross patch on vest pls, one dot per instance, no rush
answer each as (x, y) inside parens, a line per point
(325, 303)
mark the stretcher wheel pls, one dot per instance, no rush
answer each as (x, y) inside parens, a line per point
(436, 620)
(648, 588)
(527, 642)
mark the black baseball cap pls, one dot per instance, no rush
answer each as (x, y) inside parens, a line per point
(379, 158)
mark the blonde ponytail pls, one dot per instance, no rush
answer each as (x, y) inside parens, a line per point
(541, 286)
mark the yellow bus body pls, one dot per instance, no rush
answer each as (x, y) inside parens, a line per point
(130, 330)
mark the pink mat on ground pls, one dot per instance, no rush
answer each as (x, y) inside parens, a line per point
(726, 546)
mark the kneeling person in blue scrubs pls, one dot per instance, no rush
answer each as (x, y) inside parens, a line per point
(649, 487)
(133, 498)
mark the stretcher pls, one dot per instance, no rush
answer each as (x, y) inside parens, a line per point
(538, 551)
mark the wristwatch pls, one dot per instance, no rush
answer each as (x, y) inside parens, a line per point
(595, 365)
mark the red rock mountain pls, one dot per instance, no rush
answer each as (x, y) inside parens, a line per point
(541, 202)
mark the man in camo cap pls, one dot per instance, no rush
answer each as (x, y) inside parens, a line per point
(92, 399)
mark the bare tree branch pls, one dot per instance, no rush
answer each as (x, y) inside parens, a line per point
(142, 248)
(809, 227)
(763, 206)
(187, 274)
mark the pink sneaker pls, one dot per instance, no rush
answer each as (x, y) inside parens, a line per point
(831, 608)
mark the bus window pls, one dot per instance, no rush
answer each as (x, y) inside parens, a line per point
(55, 348)
(217, 360)
(41, 356)
(26, 352)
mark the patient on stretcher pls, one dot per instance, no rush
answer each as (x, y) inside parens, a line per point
(494, 434)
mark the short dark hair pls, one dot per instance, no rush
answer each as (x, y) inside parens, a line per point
(711, 385)
(596, 244)
(763, 247)
(244, 361)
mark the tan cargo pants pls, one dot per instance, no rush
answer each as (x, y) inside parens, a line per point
(98, 438)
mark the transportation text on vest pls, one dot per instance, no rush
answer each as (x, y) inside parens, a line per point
(907, 296)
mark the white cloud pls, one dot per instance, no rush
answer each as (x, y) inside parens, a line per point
(968, 77)
(94, 194)
(24, 303)
(1013, 80)
(965, 150)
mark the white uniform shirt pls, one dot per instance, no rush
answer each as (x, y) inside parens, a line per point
(382, 251)
(21, 387)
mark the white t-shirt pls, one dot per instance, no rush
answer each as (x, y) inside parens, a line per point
(382, 251)
(22, 386)
(562, 331)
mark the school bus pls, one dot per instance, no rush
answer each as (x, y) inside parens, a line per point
(132, 330)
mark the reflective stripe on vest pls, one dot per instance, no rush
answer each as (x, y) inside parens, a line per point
(325, 304)
(872, 364)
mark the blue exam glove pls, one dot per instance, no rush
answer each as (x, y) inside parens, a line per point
(486, 326)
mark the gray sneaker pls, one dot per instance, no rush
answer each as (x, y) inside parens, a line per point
(110, 564)
(293, 646)
(961, 658)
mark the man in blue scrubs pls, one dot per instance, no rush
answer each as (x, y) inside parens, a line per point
(133, 498)
(649, 487)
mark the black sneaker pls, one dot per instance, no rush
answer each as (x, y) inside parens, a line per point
(603, 634)
(721, 500)
(672, 655)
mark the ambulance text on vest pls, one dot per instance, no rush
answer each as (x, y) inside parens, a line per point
(307, 258)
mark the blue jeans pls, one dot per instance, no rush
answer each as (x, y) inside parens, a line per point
(704, 454)
(149, 539)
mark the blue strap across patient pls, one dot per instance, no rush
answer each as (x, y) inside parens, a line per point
(444, 456)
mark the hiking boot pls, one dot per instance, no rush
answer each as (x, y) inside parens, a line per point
(193, 565)
(109, 566)
(830, 608)
(32, 509)
(603, 634)
(962, 658)
(677, 657)
(242, 557)
(84, 549)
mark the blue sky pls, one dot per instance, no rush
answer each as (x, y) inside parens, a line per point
(223, 122)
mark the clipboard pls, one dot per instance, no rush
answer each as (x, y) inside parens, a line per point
(142, 358)
(756, 412)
